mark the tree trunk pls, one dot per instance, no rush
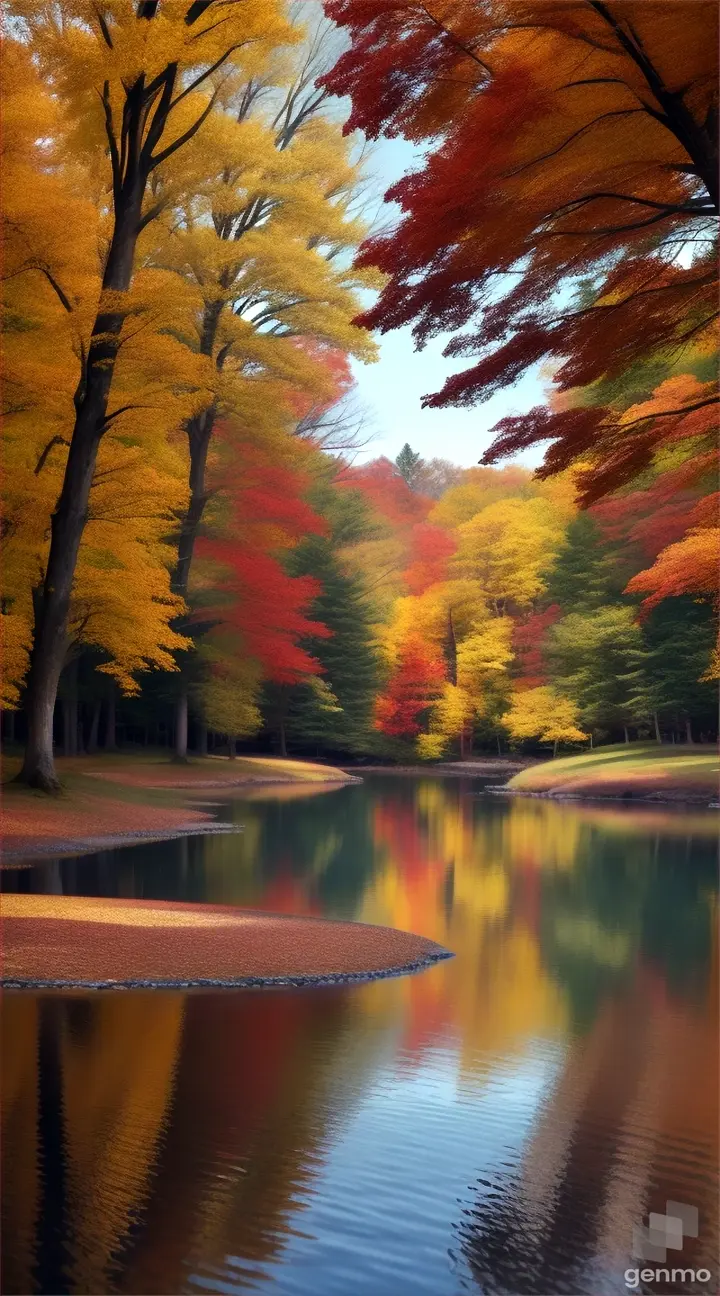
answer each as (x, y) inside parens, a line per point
(199, 431)
(68, 520)
(69, 715)
(181, 726)
(110, 726)
(231, 747)
(283, 738)
(555, 747)
(202, 739)
(688, 730)
(656, 722)
(465, 744)
(92, 744)
(451, 649)
(70, 709)
(627, 735)
(79, 730)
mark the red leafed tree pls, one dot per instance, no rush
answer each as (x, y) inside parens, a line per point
(259, 600)
(334, 366)
(528, 640)
(572, 146)
(388, 492)
(661, 514)
(414, 684)
(431, 548)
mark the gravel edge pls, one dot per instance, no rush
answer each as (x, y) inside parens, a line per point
(237, 983)
(62, 848)
(636, 798)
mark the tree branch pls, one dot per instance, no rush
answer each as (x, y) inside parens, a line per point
(50, 278)
(110, 418)
(657, 414)
(620, 112)
(190, 132)
(102, 21)
(56, 440)
(112, 142)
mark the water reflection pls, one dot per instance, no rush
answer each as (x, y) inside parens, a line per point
(498, 1123)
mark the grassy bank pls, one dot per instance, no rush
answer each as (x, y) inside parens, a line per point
(117, 799)
(638, 770)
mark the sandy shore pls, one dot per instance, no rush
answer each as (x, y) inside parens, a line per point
(34, 826)
(73, 941)
(111, 801)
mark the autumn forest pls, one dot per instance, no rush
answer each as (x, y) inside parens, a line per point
(200, 551)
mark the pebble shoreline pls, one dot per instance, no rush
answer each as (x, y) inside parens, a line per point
(240, 983)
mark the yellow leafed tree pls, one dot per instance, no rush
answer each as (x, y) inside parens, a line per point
(135, 85)
(544, 714)
(121, 598)
(508, 548)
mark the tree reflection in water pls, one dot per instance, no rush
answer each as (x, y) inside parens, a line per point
(156, 1141)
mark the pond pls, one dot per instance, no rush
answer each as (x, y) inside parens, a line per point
(497, 1124)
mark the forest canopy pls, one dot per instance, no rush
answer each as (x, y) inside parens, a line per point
(198, 547)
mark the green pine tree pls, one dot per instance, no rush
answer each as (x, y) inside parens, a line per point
(335, 712)
(588, 572)
(408, 464)
(679, 636)
(598, 659)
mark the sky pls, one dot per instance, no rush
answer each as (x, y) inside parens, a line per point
(390, 391)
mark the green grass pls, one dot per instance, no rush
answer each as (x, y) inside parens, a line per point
(639, 767)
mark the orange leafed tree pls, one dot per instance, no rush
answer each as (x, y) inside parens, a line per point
(690, 566)
(674, 520)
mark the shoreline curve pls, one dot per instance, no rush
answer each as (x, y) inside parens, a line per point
(92, 943)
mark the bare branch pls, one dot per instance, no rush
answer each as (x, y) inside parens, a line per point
(620, 112)
(62, 297)
(190, 132)
(657, 414)
(56, 440)
(102, 22)
(112, 142)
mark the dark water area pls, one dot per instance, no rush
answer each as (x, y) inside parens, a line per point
(497, 1124)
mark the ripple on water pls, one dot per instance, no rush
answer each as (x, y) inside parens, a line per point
(495, 1125)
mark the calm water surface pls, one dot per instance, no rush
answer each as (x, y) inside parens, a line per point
(497, 1124)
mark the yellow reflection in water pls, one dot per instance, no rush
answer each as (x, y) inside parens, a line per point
(531, 899)
(209, 1117)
